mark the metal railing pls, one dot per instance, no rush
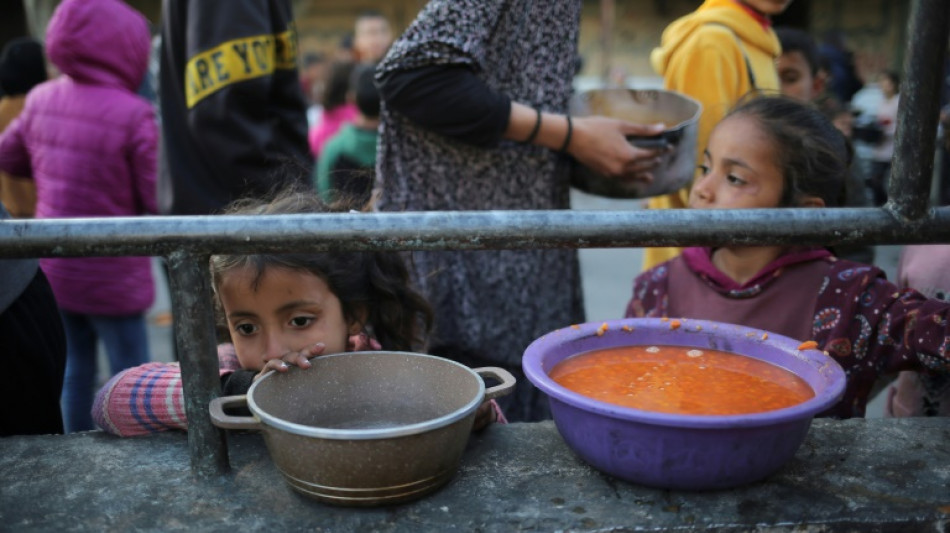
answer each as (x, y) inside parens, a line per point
(188, 242)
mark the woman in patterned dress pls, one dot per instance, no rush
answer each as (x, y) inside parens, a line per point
(474, 101)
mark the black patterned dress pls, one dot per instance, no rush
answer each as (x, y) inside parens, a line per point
(489, 304)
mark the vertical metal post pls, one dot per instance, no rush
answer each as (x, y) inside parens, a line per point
(909, 187)
(190, 290)
(607, 15)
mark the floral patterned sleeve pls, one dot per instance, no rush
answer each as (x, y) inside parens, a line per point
(649, 293)
(873, 328)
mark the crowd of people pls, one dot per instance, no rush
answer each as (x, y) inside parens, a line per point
(467, 109)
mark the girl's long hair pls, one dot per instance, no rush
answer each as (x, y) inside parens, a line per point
(814, 156)
(373, 287)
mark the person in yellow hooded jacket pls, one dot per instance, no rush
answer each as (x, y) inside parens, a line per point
(715, 54)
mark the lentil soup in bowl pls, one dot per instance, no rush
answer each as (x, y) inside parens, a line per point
(642, 398)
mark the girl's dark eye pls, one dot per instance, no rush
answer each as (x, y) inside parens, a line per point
(735, 180)
(245, 329)
(301, 321)
(703, 169)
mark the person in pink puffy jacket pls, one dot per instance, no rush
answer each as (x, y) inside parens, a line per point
(90, 145)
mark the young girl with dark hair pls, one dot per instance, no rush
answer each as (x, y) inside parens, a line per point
(281, 310)
(775, 152)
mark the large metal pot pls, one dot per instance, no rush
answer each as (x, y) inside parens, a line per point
(679, 112)
(674, 451)
(366, 428)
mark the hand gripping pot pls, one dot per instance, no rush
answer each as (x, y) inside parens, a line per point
(678, 112)
(675, 451)
(366, 428)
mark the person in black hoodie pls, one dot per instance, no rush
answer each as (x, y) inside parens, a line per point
(232, 110)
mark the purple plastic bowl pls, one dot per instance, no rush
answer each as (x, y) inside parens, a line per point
(689, 452)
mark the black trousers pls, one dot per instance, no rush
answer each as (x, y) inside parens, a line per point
(34, 361)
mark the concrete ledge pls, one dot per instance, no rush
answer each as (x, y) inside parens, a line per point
(855, 475)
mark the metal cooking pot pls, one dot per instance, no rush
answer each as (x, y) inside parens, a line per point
(366, 428)
(681, 115)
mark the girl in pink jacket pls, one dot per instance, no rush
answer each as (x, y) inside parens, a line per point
(90, 145)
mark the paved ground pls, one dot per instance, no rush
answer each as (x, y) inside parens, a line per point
(607, 276)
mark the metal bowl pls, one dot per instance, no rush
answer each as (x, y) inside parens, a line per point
(681, 115)
(366, 428)
(687, 452)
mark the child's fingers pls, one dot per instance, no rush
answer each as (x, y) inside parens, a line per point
(301, 359)
(275, 364)
(314, 350)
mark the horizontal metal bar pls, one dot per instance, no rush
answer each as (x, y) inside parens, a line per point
(465, 230)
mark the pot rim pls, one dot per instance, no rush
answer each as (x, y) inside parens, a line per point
(693, 119)
(824, 364)
(272, 421)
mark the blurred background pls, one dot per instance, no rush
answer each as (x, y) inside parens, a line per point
(616, 35)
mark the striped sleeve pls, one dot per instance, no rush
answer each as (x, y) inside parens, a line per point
(141, 400)
(149, 398)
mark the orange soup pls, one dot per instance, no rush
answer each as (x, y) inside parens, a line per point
(683, 380)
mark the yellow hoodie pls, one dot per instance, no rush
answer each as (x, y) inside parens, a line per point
(700, 55)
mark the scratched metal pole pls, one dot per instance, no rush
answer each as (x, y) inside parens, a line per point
(466, 230)
(909, 187)
(190, 291)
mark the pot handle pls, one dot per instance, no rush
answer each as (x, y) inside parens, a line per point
(505, 387)
(222, 420)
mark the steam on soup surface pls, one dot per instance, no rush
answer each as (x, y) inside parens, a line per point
(683, 380)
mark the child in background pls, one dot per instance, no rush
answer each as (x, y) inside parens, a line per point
(22, 67)
(716, 54)
(281, 310)
(802, 78)
(372, 37)
(349, 157)
(883, 151)
(90, 144)
(775, 152)
(799, 73)
(337, 110)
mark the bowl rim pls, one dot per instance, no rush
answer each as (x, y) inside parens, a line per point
(447, 419)
(532, 363)
(678, 126)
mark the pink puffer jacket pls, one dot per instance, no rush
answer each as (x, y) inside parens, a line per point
(90, 144)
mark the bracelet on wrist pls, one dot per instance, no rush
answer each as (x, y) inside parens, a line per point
(567, 138)
(537, 128)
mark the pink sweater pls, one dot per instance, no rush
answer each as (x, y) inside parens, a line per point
(330, 123)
